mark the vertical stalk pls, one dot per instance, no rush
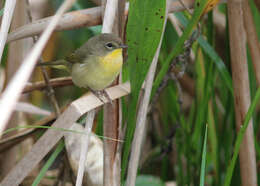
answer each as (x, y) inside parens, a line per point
(241, 90)
(253, 43)
(111, 111)
(84, 146)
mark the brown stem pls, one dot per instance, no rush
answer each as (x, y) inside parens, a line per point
(111, 119)
(252, 39)
(241, 90)
(77, 19)
(257, 4)
(56, 82)
(50, 90)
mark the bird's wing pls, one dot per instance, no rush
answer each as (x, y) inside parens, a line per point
(79, 55)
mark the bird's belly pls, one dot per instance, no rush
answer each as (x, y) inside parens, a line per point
(94, 75)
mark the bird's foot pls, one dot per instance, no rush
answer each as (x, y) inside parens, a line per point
(100, 94)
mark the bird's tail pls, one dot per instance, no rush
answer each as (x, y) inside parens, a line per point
(59, 64)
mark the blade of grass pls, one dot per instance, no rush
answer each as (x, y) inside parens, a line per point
(240, 138)
(208, 49)
(200, 5)
(58, 129)
(203, 161)
(47, 165)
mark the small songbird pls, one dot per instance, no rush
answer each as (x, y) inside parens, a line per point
(96, 64)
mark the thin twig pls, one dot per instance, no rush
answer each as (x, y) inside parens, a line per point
(50, 91)
(84, 146)
(40, 85)
(6, 22)
(16, 85)
(141, 117)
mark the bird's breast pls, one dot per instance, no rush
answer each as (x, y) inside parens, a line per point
(113, 61)
(98, 72)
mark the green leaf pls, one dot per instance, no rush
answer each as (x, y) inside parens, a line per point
(48, 163)
(225, 75)
(147, 180)
(199, 8)
(1, 11)
(239, 139)
(144, 29)
(203, 161)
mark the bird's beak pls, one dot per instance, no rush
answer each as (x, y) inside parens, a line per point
(123, 46)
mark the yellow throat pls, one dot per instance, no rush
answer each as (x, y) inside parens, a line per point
(113, 61)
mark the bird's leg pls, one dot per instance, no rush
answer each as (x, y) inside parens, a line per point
(104, 92)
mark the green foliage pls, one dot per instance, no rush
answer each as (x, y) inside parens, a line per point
(147, 180)
(199, 8)
(144, 29)
(176, 132)
(47, 165)
(240, 136)
(203, 161)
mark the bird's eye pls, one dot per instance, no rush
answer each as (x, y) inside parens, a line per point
(109, 45)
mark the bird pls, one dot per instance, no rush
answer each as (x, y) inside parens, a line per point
(96, 64)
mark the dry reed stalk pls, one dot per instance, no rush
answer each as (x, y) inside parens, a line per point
(241, 91)
(6, 22)
(15, 87)
(51, 137)
(55, 82)
(111, 168)
(84, 146)
(257, 4)
(77, 19)
(50, 91)
(252, 38)
(16, 52)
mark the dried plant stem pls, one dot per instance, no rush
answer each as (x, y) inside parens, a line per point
(51, 137)
(111, 111)
(6, 22)
(76, 19)
(84, 146)
(50, 91)
(252, 38)
(16, 85)
(56, 82)
(141, 118)
(257, 4)
(241, 91)
(9, 142)
(109, 16)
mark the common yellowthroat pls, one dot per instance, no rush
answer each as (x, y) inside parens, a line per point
(95, 64)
